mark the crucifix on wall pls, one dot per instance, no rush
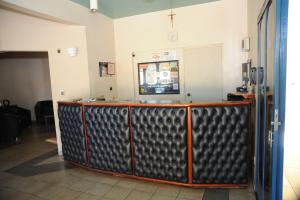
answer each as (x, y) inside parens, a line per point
(172, 18)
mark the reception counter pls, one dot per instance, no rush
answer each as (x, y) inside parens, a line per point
(188, 144)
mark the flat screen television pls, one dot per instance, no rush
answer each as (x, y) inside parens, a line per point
(159, 77)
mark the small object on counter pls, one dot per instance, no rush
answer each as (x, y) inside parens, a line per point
(77, 100)
(242, 89)
(100, 99)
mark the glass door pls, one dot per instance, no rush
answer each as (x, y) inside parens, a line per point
(270, 101)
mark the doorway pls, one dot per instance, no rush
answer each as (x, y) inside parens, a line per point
(26, 99)
(270, 98)
(203, 72)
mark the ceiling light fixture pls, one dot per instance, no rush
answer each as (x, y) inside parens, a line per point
(94, 5)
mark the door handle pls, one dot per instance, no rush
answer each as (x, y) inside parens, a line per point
(276, 123)
(270, 137)
(188, 94)
(260, 75)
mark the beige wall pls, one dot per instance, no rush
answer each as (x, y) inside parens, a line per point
(254, 7)
(222, 22)
(99, 35)
(70, 74)
(25, 81)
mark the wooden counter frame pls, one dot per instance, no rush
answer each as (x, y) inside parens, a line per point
(189, 107)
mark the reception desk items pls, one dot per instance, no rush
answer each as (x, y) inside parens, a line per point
(188, 144)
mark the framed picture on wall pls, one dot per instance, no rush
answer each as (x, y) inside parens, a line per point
(156, 78)
(106, 69)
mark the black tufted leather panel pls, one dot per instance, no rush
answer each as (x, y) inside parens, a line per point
(72, 135)
(220, 144)
(160, 143)
(109, 138)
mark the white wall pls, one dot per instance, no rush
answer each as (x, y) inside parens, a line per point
(292, 136)
(253, 12)
(99, 34)
(25, 81)
(222, 22)
(24, 33)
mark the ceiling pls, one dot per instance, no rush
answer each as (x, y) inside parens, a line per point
(125, 8)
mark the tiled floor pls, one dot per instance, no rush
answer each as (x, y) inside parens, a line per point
(31, 176)
(291, 179)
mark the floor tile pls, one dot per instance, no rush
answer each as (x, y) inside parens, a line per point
(127, 183)
(16, 183)
(216, 194)
(167, 190)
(146, 187)
(68, 180)
(5, 176)
(138, 195)
(67, 194)
(99, 189)
(53, 177)
(241, 194)
(294, 180)
(286, 182)
(97, 177)
(53, 159)
(297, 192)
(162, 197)
(35, 187)
(290, 171)
(118, 193)
(85, 196)
(289, 194)
(10, 194)
(82, 185)
(191, 194)
(57, 192)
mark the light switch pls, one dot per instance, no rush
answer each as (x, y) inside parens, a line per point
(62, 93)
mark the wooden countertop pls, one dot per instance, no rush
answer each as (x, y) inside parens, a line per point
(155, 103)
(248, 96)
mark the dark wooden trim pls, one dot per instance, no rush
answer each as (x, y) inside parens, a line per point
(189, 145)
(219, 104)
(167, 105)
(161, 105)
(85, 136)
(106, 104)
(131, 141)
(69, 103)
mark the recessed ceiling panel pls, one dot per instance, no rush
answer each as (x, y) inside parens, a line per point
(125, 8)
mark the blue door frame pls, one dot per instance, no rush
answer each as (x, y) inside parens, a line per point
(277, 149)
(280, 89)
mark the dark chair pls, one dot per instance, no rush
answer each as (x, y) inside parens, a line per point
(13, 120)
(43, 109)
(10, 128)
(23, 114)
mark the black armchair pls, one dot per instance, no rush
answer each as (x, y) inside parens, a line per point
(43, 109)
(23, 114)
(10, 128)
(13, 120)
